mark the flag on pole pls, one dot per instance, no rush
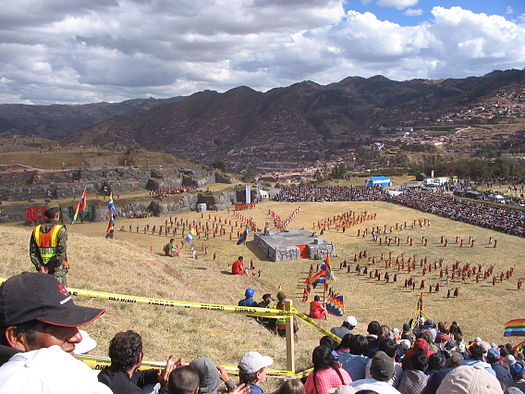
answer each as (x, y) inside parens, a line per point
(319, 277)
(112, 214)
(328, 266)
(244, 236)
(514, 328)
(81, 205)
(335, 305)
(191, 235)
(111, 205)
(520, 347)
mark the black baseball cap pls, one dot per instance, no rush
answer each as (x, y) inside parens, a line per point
(35, 296)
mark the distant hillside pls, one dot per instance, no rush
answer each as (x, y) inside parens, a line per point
(57, 121)
(291, 123)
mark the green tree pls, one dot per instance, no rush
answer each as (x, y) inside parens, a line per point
(219, 165)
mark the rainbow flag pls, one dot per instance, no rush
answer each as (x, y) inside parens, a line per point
(520, 347)
(111, 205)
(320, 277)
(111, 223)
(192, 234)
(328, 266)
(514, 328)
(81, 205)
(335, 305)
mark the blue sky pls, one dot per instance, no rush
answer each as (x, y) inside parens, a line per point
(420, 10)
(78, 51)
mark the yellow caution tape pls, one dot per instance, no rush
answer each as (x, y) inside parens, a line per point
(308, 320)
(241, 310)
(98, 363)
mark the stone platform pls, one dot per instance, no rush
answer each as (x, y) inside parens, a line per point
(293, 245)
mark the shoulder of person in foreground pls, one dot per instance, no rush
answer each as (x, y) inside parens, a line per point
(48, 370)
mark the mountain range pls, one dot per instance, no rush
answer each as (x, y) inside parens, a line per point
(299, 122)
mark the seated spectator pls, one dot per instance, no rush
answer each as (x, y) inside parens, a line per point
(169, 248)
(238, 266)
(355, 361)
(346, 328)
(210, 375)
(331, 343)
(467, 379)
(414, 380)
(265, 303)
(345, 344)
(290, 386)
(388, 346)
(436, 377)
(381, 370)
(502, 374)
(373, 343)
(123, 375)
(183, 380)
(252, 370)
(248, 300)
(517, 371)
(39, 319)
(476, 358)
(326, 374)
(317, 309)
(420, 345)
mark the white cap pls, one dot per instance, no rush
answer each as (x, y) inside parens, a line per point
(252, 362)
(86, 345)
(351, 320)
(405, 344)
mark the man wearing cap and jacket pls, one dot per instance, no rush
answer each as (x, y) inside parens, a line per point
(47, 246)
(39, 319)
(346, 328)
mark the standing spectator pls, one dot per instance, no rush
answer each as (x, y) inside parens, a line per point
(326, 374)
(48, 246)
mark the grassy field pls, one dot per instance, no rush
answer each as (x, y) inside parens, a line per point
(126, 265)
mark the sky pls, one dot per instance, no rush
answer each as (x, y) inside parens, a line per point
(78, 51)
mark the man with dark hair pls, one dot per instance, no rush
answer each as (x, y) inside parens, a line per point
(48, 246)
(123, 376)
(373, 343)
(169, 248)
(476, 358)
(355, 361)
(39, 321)
(183, 380)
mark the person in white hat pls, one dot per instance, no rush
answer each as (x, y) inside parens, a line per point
(252, 370)
(346, 328)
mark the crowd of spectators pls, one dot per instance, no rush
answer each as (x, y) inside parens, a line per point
(507, 220)
(39, 335)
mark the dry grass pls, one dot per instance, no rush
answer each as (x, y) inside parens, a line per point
(125, 265)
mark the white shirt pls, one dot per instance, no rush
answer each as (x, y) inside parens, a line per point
(376, 385)
(48, 371)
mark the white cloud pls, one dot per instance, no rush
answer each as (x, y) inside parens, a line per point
(399, 4)
(509, 10)
(413, 12)
(109, 50)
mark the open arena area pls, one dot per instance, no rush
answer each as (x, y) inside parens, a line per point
(132, 263)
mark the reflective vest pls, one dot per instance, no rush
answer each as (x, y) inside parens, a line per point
(47, 242)
(280, 323)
